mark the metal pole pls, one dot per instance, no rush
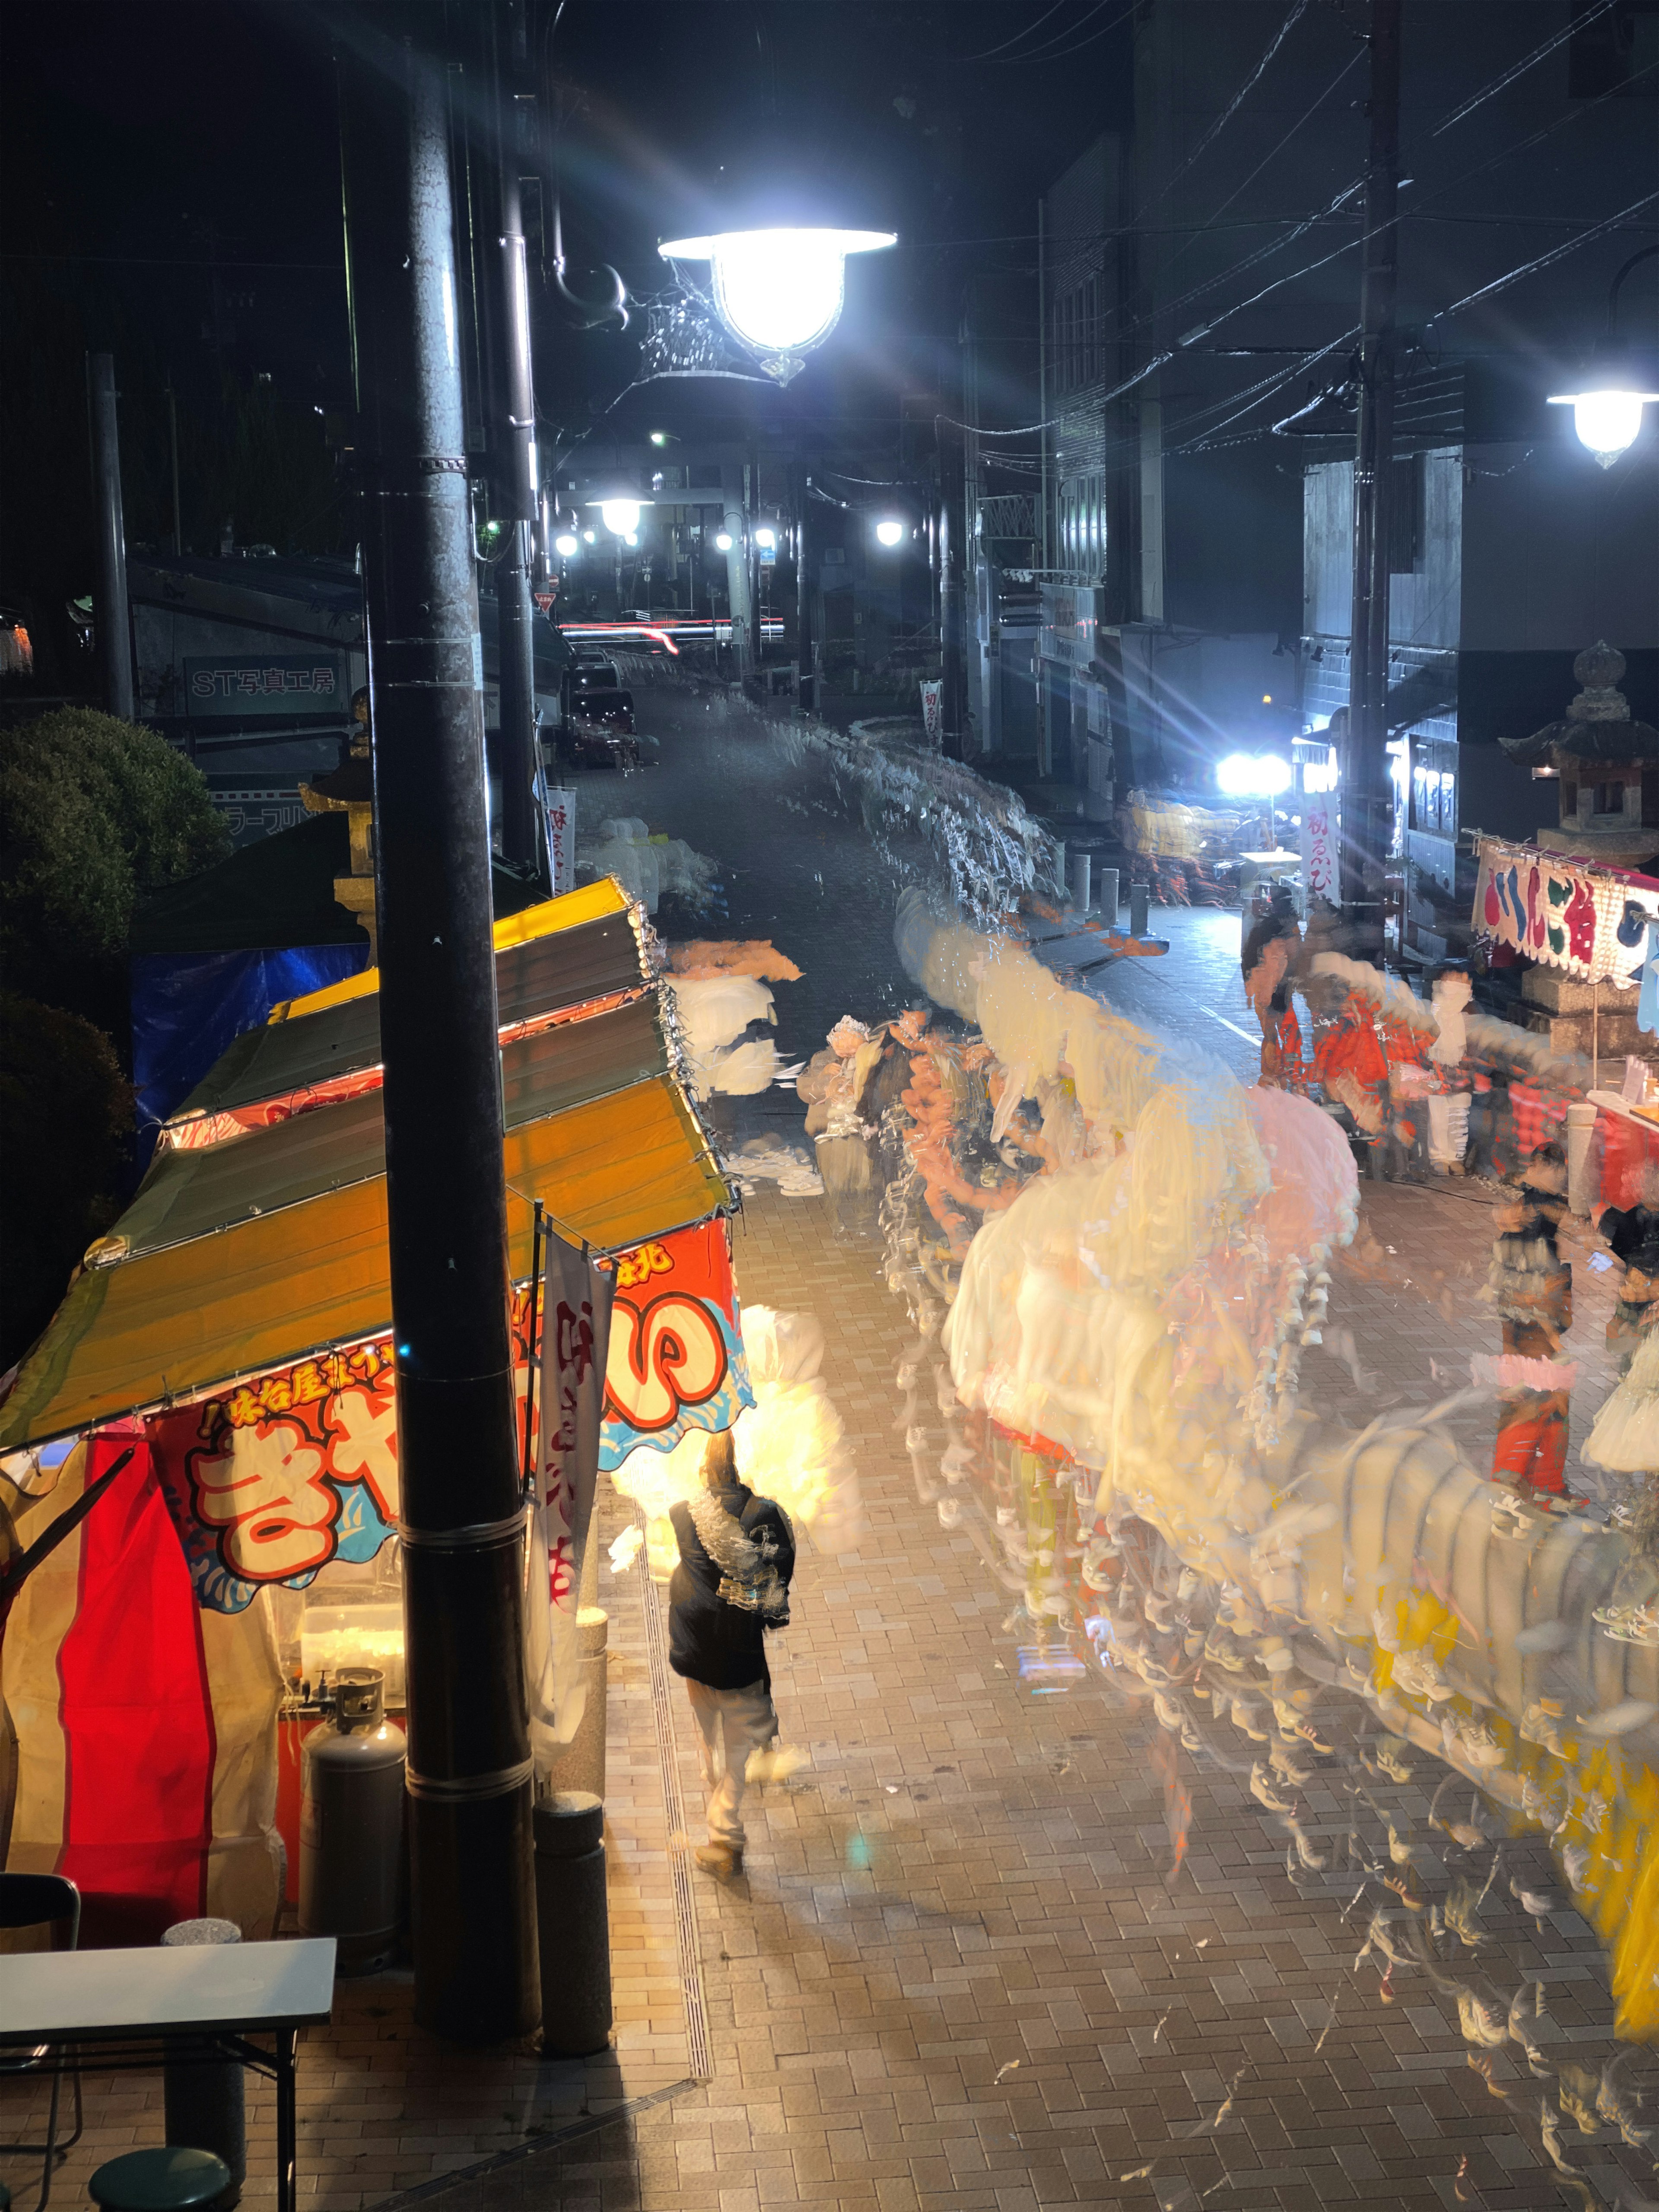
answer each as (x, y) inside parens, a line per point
(806, 689)
(1366, 795)
(1042, 548)
(737, 569)
(952, 668)
(113, 629)
(511, 415)
(470, 1771)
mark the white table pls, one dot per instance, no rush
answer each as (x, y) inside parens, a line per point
(104, 2002)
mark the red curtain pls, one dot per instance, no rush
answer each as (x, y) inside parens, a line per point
(136, 1715)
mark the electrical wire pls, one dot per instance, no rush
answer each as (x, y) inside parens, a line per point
(1508, 76)
(1545, 260)
(992, 51)
(1348, 66)
(1299, 8)
(1057, 53)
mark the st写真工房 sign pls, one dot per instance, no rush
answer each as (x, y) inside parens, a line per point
(219, 686)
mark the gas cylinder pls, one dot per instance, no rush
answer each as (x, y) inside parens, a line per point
(351, 1825)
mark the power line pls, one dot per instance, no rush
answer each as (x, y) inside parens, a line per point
(1299, 8)
(1545, 260)
(1519, 69)
(991, 51)
(1052, 52)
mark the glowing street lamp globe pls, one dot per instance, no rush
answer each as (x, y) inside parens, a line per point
(564, 545)
(621, 517)
(888, 532)
(778, 292)
(722, 541)
(766, 538)
(1606, 420)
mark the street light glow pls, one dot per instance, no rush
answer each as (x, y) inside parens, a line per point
(778, 292)
(888, 532)
(660, 437)
(722, 541)
(1253, 776)
(1607, 421)
(765, 539)
(620, 516)
(590, 537)
(565, 544)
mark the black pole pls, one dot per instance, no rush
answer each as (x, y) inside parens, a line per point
(514, 492)
(952, 530)
(469, 1774)
(1367, 797)
(805, 688)
(111, 623)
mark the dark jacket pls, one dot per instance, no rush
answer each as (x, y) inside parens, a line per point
(719, 1639)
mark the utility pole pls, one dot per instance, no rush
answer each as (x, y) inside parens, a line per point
(110, 623)
(511, 415)
(738, 605)
(463, 1509)
(1367, 795)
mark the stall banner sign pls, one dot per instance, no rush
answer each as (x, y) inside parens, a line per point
(1586, 920)
(932, 710)
(675, 1360)
(562, 839)
(1647, 1007)
(219, 683)
(1319, 847)
(270, 1480)
(577, 1301)
(274, 1480)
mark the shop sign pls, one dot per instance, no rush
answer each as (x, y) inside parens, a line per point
(1591, 922)
(224, 685)
(272, 1480)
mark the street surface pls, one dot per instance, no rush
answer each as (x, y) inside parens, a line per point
(955, 1975)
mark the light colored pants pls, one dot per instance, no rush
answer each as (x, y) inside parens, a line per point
(731, 1724)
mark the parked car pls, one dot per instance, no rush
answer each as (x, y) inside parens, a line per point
(596, 719)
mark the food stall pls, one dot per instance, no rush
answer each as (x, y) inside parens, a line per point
(234, 1329)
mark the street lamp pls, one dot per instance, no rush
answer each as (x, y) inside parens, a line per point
(1606, 419)
(621, 517)
(1606, 412)
(766, 538)
(890, 533)
(778, 292)
(722, 541)
(565, 545)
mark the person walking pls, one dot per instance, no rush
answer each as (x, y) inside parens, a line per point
(731, 1585)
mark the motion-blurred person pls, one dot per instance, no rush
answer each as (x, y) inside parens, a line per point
(1532, 1285)
(737, 1555)
(1269, 959)
(1631, 1234)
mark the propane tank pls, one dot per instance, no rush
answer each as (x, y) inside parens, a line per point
(351, 1825)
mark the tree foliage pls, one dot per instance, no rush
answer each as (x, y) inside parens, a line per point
(65, 1127)
(96, 814)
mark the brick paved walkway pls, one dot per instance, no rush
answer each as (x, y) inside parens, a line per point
(954, 1976)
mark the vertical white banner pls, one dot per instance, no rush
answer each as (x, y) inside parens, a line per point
(576, 1298)
(1319, 832)
(562, 839)
(932, 711)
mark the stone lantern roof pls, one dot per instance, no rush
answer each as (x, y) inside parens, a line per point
(1598, 727)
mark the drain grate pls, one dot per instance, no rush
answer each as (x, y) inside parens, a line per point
(686, 1935)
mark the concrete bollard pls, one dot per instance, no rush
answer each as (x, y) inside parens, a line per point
(581, 1763)
(571, 1923)
(1140, 895)
(1106, 895)
(203, 2098)
(1081, 865)
(1584, 1180)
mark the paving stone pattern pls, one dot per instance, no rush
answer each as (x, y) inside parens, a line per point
(953, 1975)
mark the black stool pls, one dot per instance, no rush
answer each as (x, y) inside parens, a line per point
(160, 2180)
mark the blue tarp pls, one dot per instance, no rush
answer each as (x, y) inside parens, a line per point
(187, 1006)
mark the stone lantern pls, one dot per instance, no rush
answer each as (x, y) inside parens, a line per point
(1608, 766)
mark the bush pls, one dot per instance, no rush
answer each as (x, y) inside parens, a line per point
(65, 1122)
(96, 814)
